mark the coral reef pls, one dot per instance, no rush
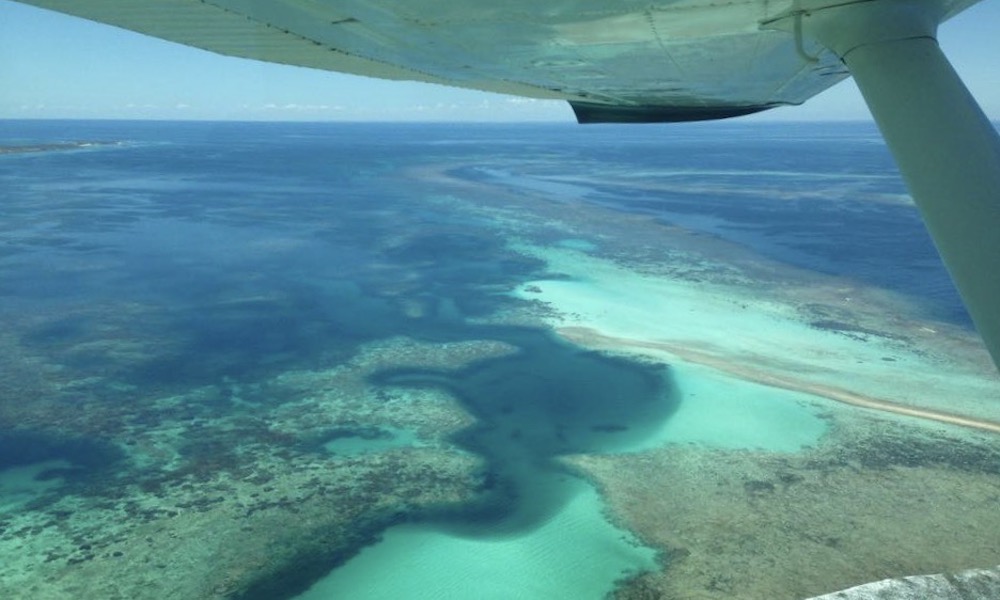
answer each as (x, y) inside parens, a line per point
(877, 499)
(224, 491)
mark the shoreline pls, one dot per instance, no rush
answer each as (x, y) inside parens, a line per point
(590, 337)
(590, 298)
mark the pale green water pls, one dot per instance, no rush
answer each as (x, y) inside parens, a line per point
(577, 244)
(20, 485)
(742, 325)
(724, 412)
(576, 554)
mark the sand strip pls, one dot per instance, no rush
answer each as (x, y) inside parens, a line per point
(593, 338)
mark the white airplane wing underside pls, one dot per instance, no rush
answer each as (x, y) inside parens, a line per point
(618, 60)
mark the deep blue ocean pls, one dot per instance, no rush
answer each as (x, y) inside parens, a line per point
(798, 193)
(142, 260)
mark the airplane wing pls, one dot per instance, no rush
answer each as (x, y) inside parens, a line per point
(654, 60)
(614, 60)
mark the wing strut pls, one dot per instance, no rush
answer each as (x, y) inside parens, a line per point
(947, 150)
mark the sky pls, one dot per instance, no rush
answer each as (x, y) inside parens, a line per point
(56, 66)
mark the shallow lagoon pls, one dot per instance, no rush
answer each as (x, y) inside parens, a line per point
(574, 554)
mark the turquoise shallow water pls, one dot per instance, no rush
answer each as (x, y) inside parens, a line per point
(20, 485)
(719, 411)
(575, 554)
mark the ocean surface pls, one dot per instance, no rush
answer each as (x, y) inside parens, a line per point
(277, 360)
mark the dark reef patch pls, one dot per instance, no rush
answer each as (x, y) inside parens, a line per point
(19, 447)
(63, 329)
(315, 560)
(896, 447)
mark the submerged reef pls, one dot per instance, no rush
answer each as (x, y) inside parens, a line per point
(226, 477)
(876, 499)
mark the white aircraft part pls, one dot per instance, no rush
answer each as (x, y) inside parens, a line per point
(947, 150)
(975, 584)
(686, 53)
